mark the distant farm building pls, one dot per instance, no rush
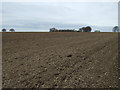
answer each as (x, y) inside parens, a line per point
(97, 31)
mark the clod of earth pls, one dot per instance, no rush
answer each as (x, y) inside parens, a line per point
(69, 55)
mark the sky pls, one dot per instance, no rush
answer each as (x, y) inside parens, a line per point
(41, 16)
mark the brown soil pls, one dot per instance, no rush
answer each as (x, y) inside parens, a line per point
(60, 60)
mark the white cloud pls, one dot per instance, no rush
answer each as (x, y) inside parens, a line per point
(60, 0)
(44, 15)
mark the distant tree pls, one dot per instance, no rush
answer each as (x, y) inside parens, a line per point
(53, 30)
(80, 30)
(86, 29)
(90, 29)
(97, 31)
(12, 30)
(4, 30)
(116, 29)
(61, 30)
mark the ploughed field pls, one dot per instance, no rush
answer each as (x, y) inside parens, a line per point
(60, 60)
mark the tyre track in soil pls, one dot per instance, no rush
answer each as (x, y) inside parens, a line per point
(91, 79)
(61, 70)
(73, 68)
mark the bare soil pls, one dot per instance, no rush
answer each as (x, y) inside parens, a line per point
(60, 60)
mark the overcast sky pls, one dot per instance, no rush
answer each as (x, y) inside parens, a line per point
(40, 16)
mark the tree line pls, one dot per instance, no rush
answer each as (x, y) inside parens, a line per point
(11, 30)
(83, 29)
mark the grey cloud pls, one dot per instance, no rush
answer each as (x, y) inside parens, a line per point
(42, 16)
